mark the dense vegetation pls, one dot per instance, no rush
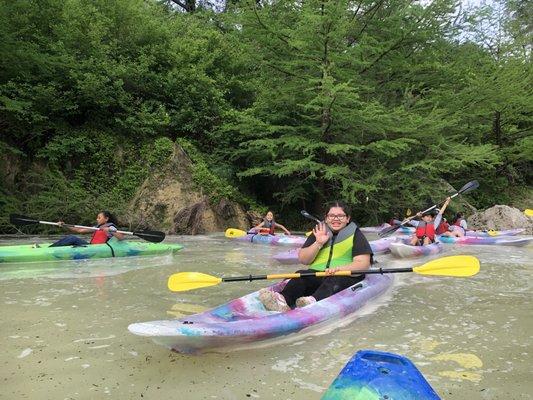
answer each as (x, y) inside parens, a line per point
(292, 103)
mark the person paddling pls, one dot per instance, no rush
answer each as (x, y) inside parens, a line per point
(336, 245)
(458, 227)
(427, 227)
(268, 225)
(105, 221)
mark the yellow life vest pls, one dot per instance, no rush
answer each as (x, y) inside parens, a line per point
(337, 251)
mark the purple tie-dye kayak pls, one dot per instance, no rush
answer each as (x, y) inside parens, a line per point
(245, 320)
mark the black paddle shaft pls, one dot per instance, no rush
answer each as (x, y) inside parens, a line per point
(150, 236)
(380, 271)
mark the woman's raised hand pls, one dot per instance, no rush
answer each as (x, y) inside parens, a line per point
(321, 233)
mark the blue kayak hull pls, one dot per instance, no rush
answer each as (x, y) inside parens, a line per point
(377, 375)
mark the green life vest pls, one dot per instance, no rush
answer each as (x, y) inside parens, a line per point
(337, 251)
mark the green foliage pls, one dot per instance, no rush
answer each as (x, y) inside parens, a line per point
(292, 103)
(214, 186)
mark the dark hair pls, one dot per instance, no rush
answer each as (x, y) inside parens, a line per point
(339, 204)
(110, 217)
(457, 216)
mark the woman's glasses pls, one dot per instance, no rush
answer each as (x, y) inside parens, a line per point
(333, 217)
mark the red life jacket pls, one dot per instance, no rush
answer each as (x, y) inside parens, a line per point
(270, 225)
(443, 227)
(427, 230)
(100, 236)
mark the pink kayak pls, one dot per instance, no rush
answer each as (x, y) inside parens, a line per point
(379, 246)
(275, 240)
(245, 319)
(402, 249)
(484, 240)
(508, 232)
(374, 229)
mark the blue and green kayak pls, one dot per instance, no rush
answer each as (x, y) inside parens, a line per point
(113, 248)
(377, 375)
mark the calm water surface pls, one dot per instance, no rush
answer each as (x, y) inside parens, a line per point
(64, 333)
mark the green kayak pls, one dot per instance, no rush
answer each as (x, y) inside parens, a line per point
(113, 248)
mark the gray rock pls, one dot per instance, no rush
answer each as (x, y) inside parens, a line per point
(501, 217)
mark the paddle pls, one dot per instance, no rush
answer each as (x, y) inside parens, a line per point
(465, 189)
(309, 216)
(459, 266)
(150, 236)
(528, 212)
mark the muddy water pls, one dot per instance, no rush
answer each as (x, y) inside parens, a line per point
(64, 332)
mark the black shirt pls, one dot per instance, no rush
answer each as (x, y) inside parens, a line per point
(360, 244)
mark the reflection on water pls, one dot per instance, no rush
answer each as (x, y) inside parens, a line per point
(65, 329)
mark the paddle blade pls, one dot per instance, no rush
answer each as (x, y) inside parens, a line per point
(492, 232)
(233, 233)
(528, 212)
(183, 281)
(17, 219)
(151, 236)
(309, 216)
(450, 266)
(388, 230)
(468, 187)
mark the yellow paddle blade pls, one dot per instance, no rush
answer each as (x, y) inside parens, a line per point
(492, 232)
(408, 212)
(450, 266)
(528, 212)
(233, 233)
(183, 281)
(308, 233)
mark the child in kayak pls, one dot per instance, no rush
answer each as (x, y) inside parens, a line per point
(268, 225)
(427, 227)
(105, 221)
(458, 227)
(334, 245)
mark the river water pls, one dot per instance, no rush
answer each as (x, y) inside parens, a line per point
(64, 333)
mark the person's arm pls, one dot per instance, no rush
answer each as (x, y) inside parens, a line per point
(437, 221)
(282, 227)
(438, 218)
(113, 230)
(464, 225)
(413, 223)
(313, 244)
(443, 208)
(74, 229)
(259, 226)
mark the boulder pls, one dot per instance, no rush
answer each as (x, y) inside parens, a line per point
(501, 217)
(169, 200)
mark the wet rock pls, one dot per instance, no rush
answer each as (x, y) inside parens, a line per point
(501, 217)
